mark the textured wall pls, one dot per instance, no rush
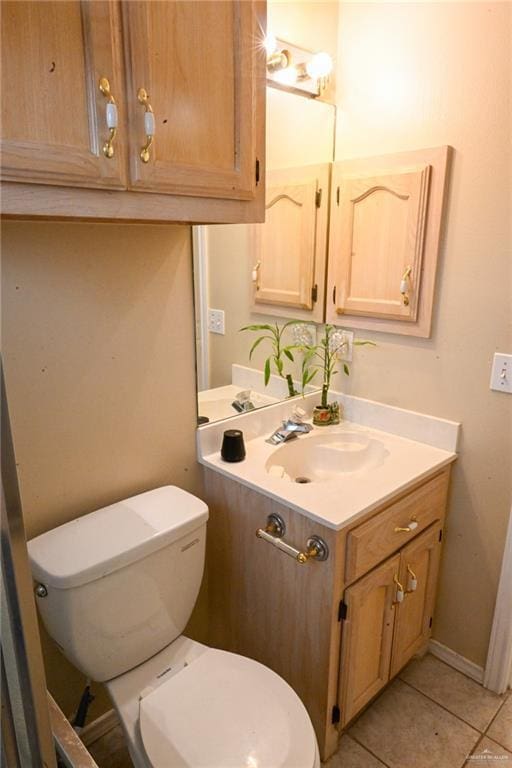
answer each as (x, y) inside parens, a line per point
(98, 346)
(414, 75)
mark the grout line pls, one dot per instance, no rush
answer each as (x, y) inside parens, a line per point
(373, 754)
(454, 669)
(486, 733)
(442, 706)
(467, 761)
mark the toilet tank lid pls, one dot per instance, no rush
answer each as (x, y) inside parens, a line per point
(103, 541)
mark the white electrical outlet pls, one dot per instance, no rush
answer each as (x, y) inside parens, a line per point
(348, 339)
(501, 373)
(216, 321)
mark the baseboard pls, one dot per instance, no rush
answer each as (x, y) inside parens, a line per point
(455, 660)
(99, 727)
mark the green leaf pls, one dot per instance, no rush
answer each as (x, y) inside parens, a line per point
(364, 344)
(265, 327)
(279, 365)
(267, 371)
(258, 341)
(346, 369)
(288, 354)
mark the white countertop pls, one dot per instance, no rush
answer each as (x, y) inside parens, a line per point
(416, 446)
(335, 503)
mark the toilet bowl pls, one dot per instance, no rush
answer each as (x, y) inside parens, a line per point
(116, 589)
(192, 705)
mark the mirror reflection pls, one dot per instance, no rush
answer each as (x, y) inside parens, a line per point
(247, 276)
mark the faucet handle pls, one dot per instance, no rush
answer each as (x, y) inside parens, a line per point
(298, 413)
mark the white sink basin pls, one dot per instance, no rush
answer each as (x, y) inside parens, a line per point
(321, 458)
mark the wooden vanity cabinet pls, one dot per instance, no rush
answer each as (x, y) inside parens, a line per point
(187, 80)
(381, 634)
(333, 630)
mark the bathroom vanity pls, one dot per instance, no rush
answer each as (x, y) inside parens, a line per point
(337, 630)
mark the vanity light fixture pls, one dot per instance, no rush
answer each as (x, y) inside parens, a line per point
(291, 67)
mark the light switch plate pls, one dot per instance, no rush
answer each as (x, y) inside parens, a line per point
(216, 321)
(501, 373)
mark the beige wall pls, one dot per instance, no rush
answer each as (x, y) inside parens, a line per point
(98, 347)
(415, 75)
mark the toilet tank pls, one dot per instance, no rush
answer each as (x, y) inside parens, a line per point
(116, 586)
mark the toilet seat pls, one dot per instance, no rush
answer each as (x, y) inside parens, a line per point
(226, 711)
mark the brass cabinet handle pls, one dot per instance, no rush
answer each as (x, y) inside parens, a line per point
(407, 528)
(405, 286)
(400, 593)
(149, 124)
(412, 581)
(110, 115)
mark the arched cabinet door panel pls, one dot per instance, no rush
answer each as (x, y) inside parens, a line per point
(54, 112)
(288, 251)
(385, 227)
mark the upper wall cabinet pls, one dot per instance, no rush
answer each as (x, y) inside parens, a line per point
(118, 100)
(191, 80)
(384, 239)
(289, 249)
(54, 56)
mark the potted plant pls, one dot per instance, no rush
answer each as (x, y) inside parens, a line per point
(323, 358)
(274, 334)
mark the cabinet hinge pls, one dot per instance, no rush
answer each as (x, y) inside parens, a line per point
(430, 623)
(337, 195)
(318, 198)
(257, 171)
(441, 535)
(314, 293)
(342, 611)
(336, 715)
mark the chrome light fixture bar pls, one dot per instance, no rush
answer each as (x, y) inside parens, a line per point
(296, 69)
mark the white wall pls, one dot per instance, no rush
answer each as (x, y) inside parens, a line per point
(414, 75)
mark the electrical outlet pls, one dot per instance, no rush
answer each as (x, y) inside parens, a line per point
(501, 373)
(216, 321)
(348, 338)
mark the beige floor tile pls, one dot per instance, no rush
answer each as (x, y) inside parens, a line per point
(350, 754)
(404, 729)
(462, 696)
(501, 728)
(110, 751)
(488, 752)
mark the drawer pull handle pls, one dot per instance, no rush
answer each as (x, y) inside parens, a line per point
(399, 594)
(149, 124)
(408, 528)
(110, 116)
(412, 581)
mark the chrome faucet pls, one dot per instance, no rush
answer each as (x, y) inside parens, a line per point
(290, 428)
(242, 402)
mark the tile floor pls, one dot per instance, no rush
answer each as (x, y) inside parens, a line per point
(431, 716)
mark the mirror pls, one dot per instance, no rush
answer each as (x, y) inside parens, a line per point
(265, 273)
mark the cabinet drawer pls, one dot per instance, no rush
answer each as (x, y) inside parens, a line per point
(373, 541)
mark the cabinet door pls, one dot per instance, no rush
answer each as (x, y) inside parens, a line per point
(419, 566)
(53, 111)
(378, 225)
(367, 637)
(195, 133)
(289, 249)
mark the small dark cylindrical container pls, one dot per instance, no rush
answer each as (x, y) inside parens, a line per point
(233, 448)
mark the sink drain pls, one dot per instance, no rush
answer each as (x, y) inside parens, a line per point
(302, 480)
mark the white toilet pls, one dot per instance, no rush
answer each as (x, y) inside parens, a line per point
(115, 589)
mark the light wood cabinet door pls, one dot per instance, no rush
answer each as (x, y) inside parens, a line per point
(289, 249)
(378, 226)
(367, 636)
(198, 63)
(53, 112)
(419, 565)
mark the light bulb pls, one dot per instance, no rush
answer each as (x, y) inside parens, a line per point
(319, 66)
(270, 44)
(287, 76)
